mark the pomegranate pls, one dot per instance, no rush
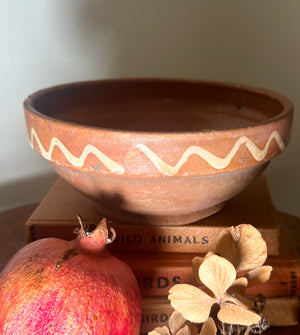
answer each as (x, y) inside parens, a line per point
(53, 286)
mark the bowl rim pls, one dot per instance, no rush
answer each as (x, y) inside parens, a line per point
(287, 105)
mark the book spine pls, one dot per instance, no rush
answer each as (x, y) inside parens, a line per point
(184, 239)
(279, 311)
(157, 281)
(284, 281)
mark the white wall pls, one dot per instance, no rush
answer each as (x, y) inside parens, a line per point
(48, 42)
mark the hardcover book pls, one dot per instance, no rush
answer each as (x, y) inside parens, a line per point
(158, 272)
(279, 311)
(56, 216)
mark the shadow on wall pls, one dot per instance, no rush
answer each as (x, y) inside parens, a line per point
(25, 191)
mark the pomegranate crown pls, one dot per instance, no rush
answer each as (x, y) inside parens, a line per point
(95, 240)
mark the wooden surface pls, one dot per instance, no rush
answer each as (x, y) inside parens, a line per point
(12, 232)
(12, 238)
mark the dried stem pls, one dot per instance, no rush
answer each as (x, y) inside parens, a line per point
(223, 329)
(247, 331)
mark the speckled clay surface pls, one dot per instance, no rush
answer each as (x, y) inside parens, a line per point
(158, 151)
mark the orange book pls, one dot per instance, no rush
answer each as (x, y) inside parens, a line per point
(279, 311)
(158, 272)
(56, 216)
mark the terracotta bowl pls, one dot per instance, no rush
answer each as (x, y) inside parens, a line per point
(163, 152)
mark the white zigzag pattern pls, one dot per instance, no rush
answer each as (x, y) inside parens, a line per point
(75, 161)
(163, 167)
(214, 161)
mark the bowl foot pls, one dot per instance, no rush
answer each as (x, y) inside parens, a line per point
(158, 220)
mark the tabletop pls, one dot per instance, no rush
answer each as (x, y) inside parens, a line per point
(12, 238)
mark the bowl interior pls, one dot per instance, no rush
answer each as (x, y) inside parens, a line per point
(157, 106)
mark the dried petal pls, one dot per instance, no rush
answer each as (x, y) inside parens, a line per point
(238, 286)
(193, 330)
(176, 321)
(236, 315)
(227, 247)
(196, 262)
(259, 275)
(243, 246)
(217, 273)
(191, 302)
(160, 331)
(240, 300)
(184, 331)
(210, 253)
(209, 327)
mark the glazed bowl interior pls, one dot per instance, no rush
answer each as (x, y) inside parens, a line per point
(157, 106)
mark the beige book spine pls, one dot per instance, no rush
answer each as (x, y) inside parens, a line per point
(186, 239)
(279, 311)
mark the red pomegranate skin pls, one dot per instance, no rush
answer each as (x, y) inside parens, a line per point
(52, 286)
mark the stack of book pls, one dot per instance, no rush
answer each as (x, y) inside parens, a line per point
(161, 256)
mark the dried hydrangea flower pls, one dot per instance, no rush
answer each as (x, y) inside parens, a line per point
(245, 248)
(196, 262)
(209, 327)
(219, 276)
(179, 326)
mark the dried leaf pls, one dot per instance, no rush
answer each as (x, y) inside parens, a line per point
(217, 273)
(160, 331)
(259, 275)
(191, 302)
(209, 327)
(176, 321)
(236, 315)
(243, 246)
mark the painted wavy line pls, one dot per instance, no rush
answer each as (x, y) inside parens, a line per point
(163, 167)
(75, 161)
(214, 161)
